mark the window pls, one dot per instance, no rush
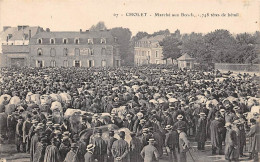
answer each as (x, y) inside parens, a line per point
(91, 52)
(53, 52)
(103, 51)
(77, 63)
(52, 41)
(65, 52)
(156, 53)
(157, 61)
(117, 63)
(39, 52)
(77, 52)
(103, 41)
(65, 41)
(39, 41)
(188, 64)
(39, 63)
(76, 41)
(90, 41)
(90, 63)
(65, 63)
(53, 63)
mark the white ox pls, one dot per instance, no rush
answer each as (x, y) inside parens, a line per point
(57, 112)
(15, 101)
(120, 111)
(33, 98)
(65, 97)
(3, 96)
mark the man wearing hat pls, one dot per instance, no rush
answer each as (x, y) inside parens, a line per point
(100, 151)
(253, 137)
(26, 128)
(135, 148)
(145, 136)
(128, 122)
(95, 121)
(149, 152)
(216, 129)
(171, 142)
(81, 147)
(120, 149)
(89, 157)
(52, 153)
(183, 143)
(180, 123)
(19, 134)
(201, 135)
(72, 155)
(48, 131)
(231, 142)
(110, 142)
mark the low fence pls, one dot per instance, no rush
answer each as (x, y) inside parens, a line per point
(238, 67)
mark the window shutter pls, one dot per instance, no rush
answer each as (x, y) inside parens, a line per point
(74, 63)
(36, 63)
(79, 63)
(93, 62)
(42, 63)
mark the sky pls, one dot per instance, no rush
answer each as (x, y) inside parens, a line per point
(73, 15)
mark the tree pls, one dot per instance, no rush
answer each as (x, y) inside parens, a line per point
(171, 47)
(123, 36)
(100, 26)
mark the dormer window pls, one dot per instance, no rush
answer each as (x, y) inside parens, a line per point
(76, 41)
(65, 41)
(52, 41)
(90, 41)
(103, 41)
(39, 41)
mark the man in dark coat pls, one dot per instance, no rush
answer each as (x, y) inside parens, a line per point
(135, 149)
(201, 134)
(81, 147)
(184, 144)
(231, 143)
(19, 134)
(120, 149)
(34, 140)
(26, 128)
(100, 151)
(40, 150)
(171, 143)
(72, 155)
(215, 128)
(110, 142)
(64, 147)
(11, 124)
(52, 153)
(128, 122)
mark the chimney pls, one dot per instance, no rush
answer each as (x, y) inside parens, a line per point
(6, 27)
(80, 30)
(30, 34)
(48, 30)
(19, 27)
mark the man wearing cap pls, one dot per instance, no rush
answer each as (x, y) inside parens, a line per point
(100, 151)
(183, 144)
(120, 149)
(137, 121)
(52, 153)
(48, 131)
(171, 142)
(149, 153)
(31, 131)
(135, 148)
(35, 138)
(110, 142)
(235, 127)
(95, 121)
(180, 123)
(72, 155)
(201, 135)
(231, 143)
(19, 134)
(145, 136)
(252, 135)
(89, 157)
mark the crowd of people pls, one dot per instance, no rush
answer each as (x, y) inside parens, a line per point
(163, 109)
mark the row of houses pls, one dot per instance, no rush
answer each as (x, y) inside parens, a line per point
(36, 47)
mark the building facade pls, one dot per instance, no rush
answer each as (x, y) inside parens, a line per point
(148, 51)
(14, 45)
(39, 48)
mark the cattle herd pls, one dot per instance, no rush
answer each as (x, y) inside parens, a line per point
(128, 113)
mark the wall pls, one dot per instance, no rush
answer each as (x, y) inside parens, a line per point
(238, 67)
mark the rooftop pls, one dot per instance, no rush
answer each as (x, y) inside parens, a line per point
(185, 57)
